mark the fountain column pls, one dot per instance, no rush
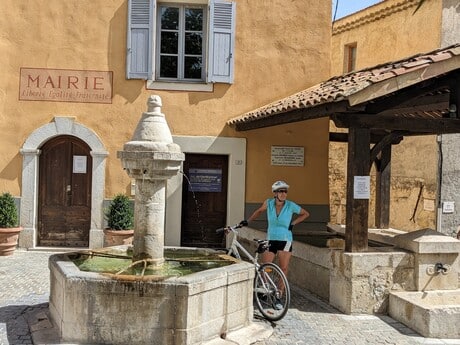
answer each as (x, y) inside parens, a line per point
(151, 158)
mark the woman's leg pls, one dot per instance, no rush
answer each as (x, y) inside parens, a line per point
(268, 257)
(284, 258)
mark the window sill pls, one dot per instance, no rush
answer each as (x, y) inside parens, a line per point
(198, 87)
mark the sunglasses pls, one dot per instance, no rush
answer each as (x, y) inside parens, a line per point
(281, 191)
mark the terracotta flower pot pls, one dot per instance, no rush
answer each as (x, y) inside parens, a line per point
(9, 240)
(117, 237)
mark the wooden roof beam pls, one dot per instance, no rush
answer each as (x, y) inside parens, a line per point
(375, 137)
(401, 123)
(291, 116)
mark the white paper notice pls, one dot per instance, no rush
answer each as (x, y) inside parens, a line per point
(362, 189)
(448, 207)
(79, 164)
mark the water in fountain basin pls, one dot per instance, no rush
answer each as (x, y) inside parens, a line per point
(178, 262)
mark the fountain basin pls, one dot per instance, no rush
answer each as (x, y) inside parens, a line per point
(93, 308)
(433, 314)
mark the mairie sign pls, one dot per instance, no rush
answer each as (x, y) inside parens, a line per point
(62, 85)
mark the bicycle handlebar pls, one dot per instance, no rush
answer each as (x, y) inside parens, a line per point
(229, 228)
(262, 245)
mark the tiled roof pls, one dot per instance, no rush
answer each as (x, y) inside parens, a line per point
(362, 86)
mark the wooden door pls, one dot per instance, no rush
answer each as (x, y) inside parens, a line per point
(204, 200)
(64, 199)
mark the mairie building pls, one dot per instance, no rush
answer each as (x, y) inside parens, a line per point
(76, 76)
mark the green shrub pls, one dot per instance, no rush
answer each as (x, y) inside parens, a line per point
(120, 215)
(8, 211)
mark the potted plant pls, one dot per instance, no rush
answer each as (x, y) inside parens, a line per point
(120, 221)
(9, 228)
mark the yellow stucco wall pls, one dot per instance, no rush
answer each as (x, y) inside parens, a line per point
(280, 48)
(389, 31)
(303, 180)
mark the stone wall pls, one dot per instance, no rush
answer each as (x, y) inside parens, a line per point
(351, 282)
(361, 282)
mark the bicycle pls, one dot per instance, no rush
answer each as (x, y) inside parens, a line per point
(271, 288)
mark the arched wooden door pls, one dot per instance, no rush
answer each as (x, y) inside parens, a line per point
(204, 200)
(64, 198)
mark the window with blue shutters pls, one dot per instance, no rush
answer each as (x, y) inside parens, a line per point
(179, 42)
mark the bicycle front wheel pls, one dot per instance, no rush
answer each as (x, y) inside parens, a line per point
(271, 292)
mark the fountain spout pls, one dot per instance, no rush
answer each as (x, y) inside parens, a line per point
(441, 268)
(151, 158)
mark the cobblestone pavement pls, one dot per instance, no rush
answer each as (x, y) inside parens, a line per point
(24, 290)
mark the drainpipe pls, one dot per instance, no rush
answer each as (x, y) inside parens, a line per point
(439, 203)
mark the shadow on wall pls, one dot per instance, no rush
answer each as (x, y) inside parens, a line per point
(10, 172)
(128, 89)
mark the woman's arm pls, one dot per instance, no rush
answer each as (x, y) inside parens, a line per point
(258, 212)
(301, 217)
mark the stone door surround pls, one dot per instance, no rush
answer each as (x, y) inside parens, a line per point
(61, 125)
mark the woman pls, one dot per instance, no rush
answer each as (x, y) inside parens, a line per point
(280, 224)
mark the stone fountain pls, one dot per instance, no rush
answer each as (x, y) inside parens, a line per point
(433, 310)
(94, 308)
(150, 158)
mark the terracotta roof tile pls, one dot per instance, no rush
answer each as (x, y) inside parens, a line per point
(340, 88)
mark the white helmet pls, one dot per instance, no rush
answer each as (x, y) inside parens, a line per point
(279, 185)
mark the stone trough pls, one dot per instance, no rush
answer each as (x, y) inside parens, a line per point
(93, 308)
(433, 314)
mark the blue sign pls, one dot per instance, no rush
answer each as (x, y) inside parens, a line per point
(205, 180)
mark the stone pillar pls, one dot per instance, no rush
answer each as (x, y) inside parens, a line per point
(28, 209)
(151, 158)
(96, 233)
(149, 213)
(449, 223)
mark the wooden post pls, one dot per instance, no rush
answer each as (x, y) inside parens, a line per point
(357, 209)
(382, 189)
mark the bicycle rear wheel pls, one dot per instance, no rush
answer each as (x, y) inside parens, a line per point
(271, 292)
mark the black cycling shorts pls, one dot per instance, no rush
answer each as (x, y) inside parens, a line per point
(284, 246)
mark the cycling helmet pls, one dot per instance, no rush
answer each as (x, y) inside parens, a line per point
(279, 185)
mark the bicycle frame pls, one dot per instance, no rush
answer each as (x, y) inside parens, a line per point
(270, 283)
(236, 246)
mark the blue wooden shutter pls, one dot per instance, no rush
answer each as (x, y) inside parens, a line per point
(221, 41)
(139, 47)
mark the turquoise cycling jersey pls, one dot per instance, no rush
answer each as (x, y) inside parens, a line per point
(278, 225)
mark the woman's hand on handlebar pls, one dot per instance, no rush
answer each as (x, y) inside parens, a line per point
(226, 229)
(230, 228)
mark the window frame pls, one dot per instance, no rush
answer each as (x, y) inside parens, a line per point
(218, 43)
(181, 54)
(350, 55)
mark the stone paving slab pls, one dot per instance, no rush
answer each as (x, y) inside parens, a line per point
(24, 293)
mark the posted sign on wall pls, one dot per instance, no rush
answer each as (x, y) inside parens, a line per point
(60, 85)
(205, 180)
(288, 156)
